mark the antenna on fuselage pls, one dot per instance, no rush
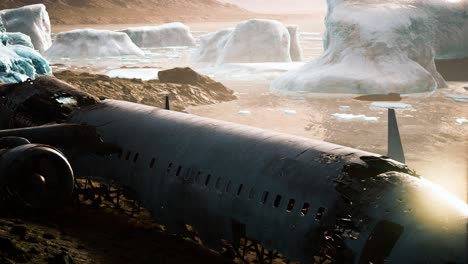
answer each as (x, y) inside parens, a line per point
(395, 147)
(167, 106)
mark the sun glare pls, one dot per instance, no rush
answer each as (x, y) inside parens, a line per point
(449, 197)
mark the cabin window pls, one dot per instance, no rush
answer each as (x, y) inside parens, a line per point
(291, 205)
(119, 155)
(265, 197)
(218, 183)
(188, 174)
(305, 209)
(207, 181)
(320, 213)
(179, 169)
(252, 193)
(277, 202)
(136, 157)
(228, 187)
(168, 170)
(127, 157)
(198, 177)
(239, 191)
(153, 160)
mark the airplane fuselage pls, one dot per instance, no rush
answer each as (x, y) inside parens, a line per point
(302, 197)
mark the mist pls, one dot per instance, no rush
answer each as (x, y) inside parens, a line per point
(282, 6)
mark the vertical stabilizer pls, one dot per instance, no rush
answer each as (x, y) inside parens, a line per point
(395, 148)
(167, 105)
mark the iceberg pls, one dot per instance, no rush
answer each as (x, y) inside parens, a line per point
(390, 105)
(167, 35)
(18, 62)
(17, 38)
(295, 50)
(351, 117)
(252, 41)
(89, 43)
(382, 46)
(33, 21)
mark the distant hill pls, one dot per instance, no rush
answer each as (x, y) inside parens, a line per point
(133, 11)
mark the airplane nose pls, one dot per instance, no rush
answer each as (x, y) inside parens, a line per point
(422, 223)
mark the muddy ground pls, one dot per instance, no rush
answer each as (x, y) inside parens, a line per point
(152, 92)
(84, 233)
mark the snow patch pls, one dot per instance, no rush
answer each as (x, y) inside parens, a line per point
(351, 117)
(391, 105)
(290, 112)
(144, 74)
(462, 121)
(167, 35)
(458, 97)
(245, 112)
(345, 108)
(90, 43)
(364, 55)
(32, 20)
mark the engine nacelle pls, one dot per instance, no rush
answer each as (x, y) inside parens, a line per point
(37, 175)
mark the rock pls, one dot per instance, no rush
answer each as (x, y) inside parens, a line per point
(62, 258)
(392, 97)
(183, 76)
(48, 236)
(32, 239)
(34, 251)
(12, 251)
(19, 230)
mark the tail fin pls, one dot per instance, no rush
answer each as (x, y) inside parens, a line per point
(167, 105)
(395, 148)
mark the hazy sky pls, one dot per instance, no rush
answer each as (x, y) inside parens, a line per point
(282, 6)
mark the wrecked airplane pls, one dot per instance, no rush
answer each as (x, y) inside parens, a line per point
(309, 200)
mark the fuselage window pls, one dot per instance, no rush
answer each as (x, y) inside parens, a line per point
(188, 174)
(252, 193)
(265, 197)
(127, 157)
(228, 187)
(198, 177)
(320, 213)
(218, 183)
(277, 202)
(179, 169)
(169, 167)
(239, 191)
(119, 155)
(305, 209)
(152, 163)
(207, 181)
(136, 157)
(291, 205)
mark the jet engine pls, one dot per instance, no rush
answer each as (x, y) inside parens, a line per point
(34, 174)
